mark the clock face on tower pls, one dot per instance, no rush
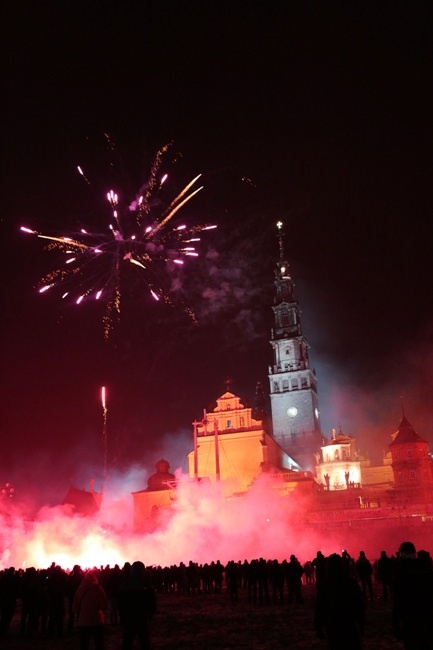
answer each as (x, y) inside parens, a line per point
(292, 412)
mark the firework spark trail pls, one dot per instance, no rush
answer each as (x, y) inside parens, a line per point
(177, 207)
(96, 263)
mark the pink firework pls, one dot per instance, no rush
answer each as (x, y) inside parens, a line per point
(136, 241)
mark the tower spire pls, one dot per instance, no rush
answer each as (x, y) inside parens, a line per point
(293, 390)
(283, 279)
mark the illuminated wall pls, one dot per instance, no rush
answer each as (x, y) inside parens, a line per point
(148, 505)
(241, 446)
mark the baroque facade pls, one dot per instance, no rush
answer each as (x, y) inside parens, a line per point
(232, 449)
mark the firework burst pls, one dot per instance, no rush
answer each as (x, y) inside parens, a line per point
(136, 242)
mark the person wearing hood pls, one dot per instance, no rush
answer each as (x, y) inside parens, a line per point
(90, 602)
(412, 599)
(137, 604)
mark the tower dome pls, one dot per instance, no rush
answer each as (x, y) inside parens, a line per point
(159, 480)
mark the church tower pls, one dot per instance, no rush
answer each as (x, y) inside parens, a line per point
(293, 387)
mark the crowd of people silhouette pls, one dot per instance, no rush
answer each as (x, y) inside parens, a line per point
(54, 603)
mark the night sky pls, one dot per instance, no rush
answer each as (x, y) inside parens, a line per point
(317, 114)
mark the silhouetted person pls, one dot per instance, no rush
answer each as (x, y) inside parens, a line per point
(276, 578)
(295, 571)
(75, 578)
(349, 564)
(56, 595)
(252, 575)
(412, 593)
(31, 593)
(112, 589)
(89, 605)
(137, 605)
(206, 578)
(192, 577)
(8, 598)
(309, 573)
(364, 569)
(385, 567)
(262, 581)
(339, 613)
(217, 571)
(318, 565)
(232, 580)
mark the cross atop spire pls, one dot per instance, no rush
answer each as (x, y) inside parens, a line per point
(402, 406)
(280, 239)
(228, 382)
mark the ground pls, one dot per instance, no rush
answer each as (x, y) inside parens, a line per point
(211, 622)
